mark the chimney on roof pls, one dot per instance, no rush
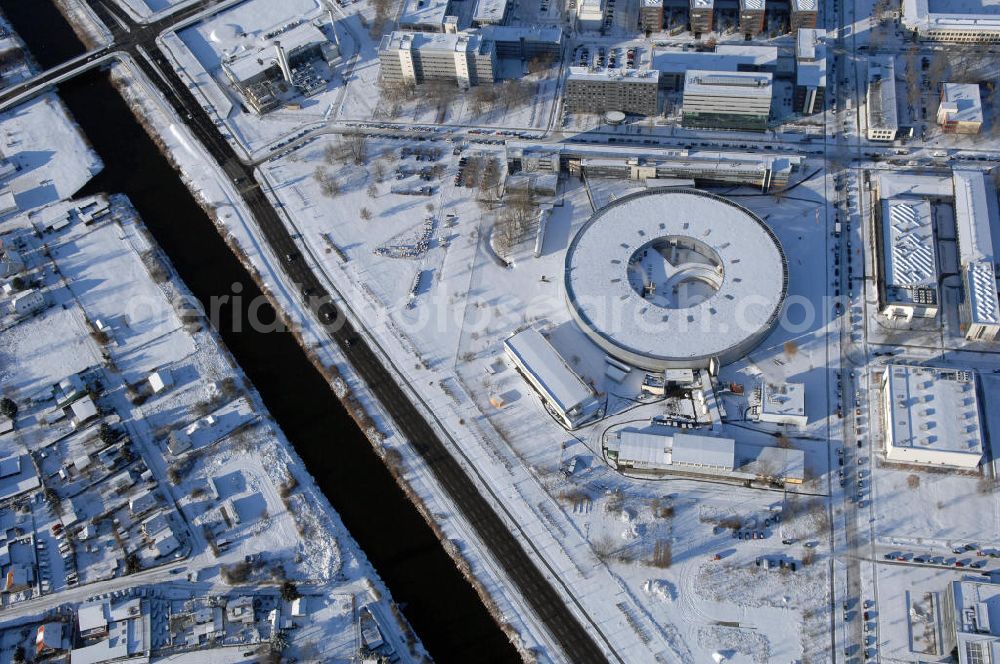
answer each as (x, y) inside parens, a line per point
(286, 70)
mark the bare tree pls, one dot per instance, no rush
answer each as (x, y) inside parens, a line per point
(356, 146)
(365, 214)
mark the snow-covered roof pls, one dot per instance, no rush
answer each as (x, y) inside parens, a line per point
(901, 183)
(787, 463)
(975, 211)
(517, 33)
(882, 113)
(742, 84)
(805, 5)
(908, 240)
(535, 354)
(421, 13)
(251, 63)
(702, 4)
(810, 58)
(648, 76)
(643, 448)
(608, 306)
(489, 11)
(785, 400)
(981, 284)
(698, 450)
(725, 57)
(933, 409)
(966, 101)
(752, 5)
(431, 41)
(981, 16)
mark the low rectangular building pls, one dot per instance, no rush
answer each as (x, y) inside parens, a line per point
(961, 108)
(975, 213)
(673, 63)
(490, 12)
(524, 43)
(930, 416)
(564, 393)
(632, 91)
(780, 404)
(424, 15)
(882, 118)
(810, 72)
(906, 265)
(731, 100)
(700, 451)
(640, 450)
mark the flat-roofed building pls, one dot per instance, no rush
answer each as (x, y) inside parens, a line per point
(975, 213)
(968, 21)
(524, 43)
(971, 627)
(640, 450)
(490, 12)
(651, 15)
(632, 91)
(752, 17)
(286, 57)
(730, 100)
(590, 14)
(701, 14)
(883, 122)
(425, 15)
(961, 108)
(785, 465)
(700, 451)
(779, 404)
(413, 58)
(810, 71)
(803, 14)
(906, 265)
(673, 64)
(570, 400)
(930, 416)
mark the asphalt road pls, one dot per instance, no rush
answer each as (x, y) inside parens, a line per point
(575, 640)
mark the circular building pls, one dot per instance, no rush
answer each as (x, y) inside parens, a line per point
(674, 278)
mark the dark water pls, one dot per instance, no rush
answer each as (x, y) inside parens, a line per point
(446, 613)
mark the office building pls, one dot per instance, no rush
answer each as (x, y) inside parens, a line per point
(590, 14)
(632, 91)
(779, 404)
(701, 14)
(881, 115)
(810, 72)
(651, 15)
(970, 626)
(524, 43)
(906, 265)
(673, 63)
(961, 108)
(975, 213)
(490, 12)
(962, 21)
(803, 14)
(730, 100)
(752, 17)
(930, 416)
(415, 57)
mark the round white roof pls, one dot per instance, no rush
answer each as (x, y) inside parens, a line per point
(669, 278)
